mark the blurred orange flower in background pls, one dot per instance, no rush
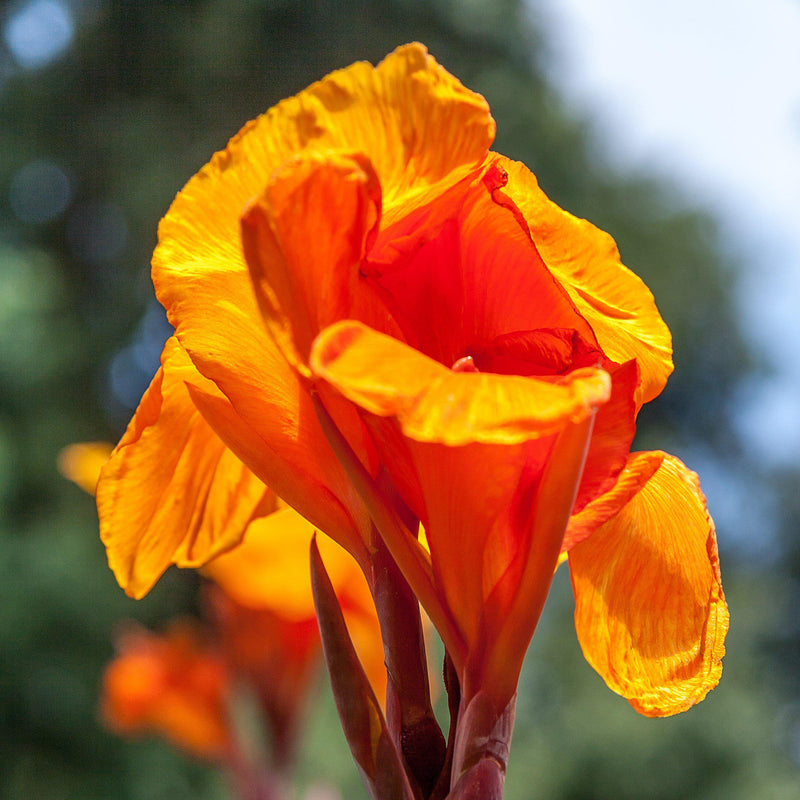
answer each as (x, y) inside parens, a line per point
(261, 605)
(358, 255)
(262, 631)
(172, 684)
(81, 463)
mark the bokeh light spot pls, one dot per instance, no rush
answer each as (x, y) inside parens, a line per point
(39, 191)
(38, 32)
(97, 232)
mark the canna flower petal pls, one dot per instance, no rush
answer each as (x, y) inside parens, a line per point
(271, 427)
(435, 404)
(253, 399)
(305, 261)
(417, 122)
(615, 302)
(466, 280)
(421, 128)
(638, 469)
(513, 607)
(479, 445)
(612, 435)
(649, 608)
(171, 491)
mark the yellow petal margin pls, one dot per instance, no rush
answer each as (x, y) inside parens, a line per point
(172, 492)
(650, 613)
(434, 404)
(585, 260)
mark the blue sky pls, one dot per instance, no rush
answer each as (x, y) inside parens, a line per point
(708, 93)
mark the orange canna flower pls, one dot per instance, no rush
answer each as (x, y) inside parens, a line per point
(261, 604)
(365, 296)
(172, 685)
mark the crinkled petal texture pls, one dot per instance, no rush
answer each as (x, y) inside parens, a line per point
(649, 608)
(172, 492)
(358, 250)
(419, 127)
(396, 113)
(417, 124)
(638, 469)
(585, 260)
(257, 404)
(435, 404)
(305, 260)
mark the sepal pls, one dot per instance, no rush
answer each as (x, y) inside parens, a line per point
(482, 741)
(360, 713)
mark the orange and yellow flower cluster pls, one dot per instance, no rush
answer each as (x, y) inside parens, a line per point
(392, 329)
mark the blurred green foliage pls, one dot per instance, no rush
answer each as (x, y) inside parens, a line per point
(138, 102)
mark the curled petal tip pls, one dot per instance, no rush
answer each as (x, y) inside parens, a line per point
(650, 612)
